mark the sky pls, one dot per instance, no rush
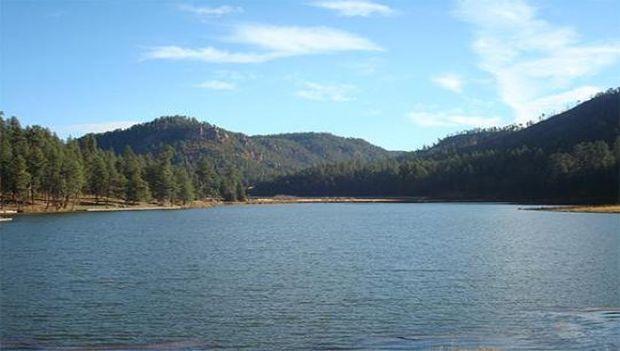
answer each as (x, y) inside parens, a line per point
(400, 74)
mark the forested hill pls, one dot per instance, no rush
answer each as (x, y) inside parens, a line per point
(570, 157)
(256, 157)
(592, 120)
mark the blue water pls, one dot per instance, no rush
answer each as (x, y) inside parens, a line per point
(312, 276)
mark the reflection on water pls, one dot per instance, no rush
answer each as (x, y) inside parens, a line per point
(312, 276)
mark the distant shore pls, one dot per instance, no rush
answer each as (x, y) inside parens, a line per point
(115, 206)
(86, 205)
(579, 208)
(330, 199)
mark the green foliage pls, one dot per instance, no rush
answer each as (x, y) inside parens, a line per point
(255, 157)
(99, 176)
(184, 187)
(20, 178)
(573, 157)
(207, 180)
(136, 188)
(71, 174)
(164, 181)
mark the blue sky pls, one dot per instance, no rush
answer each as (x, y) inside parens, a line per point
(400, 74)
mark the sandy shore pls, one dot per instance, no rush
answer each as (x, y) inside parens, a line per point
(148, 208)
(579, 208)
(90, 206)
(285, 200)
(39, 208)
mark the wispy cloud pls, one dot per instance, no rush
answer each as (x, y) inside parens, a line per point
(292, 40)
(210, 12)
(536, 65)
(326, 92)
(355, 8)
(85, 128)
(449, 81)
(453, 118)
(206, 54)
(271, 42)
(217, 85)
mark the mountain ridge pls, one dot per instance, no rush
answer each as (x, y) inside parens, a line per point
(257, 156)
(571, 156)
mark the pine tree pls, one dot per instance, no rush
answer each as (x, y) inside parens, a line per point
(185, 188)
(36, 168)
(5, 160)
(52, 179)
(116, 184)
(230, 186)
(99, 177)
(164, 181)
(21, 179)
(72, 175)
(136, 189)
(207, 179)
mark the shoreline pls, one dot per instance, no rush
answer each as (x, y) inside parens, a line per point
(577, 208)
(6, 214)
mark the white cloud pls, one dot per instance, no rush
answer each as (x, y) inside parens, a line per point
(85, 128)
(449, 81)
(536, 65)
(326, 92)
(204, 11)
(217, 85)
(272, 42)
(353, 8)
(454, 118)
(207, 54)
(291, 40)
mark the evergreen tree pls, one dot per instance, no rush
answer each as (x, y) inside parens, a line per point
(185, 188)
(231, 187)
(136, 189)
(5, 160)
(52, 179)
(207, 179)
(117, 181)
(36, 167)
(72, 175)
(99, 177)
(164, 180)
(21, 179)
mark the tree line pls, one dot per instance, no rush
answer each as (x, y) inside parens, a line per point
(587, 173)
(570, 157)
(37, 166)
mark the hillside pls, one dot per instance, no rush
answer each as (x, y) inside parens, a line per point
(257, 157)
(592, 120)
(573, 156)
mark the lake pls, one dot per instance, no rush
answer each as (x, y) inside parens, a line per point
(312, 276)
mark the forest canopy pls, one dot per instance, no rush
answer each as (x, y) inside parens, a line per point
(571, 157)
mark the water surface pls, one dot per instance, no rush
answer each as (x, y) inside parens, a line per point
(312, 276)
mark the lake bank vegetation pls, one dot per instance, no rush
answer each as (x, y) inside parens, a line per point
(43, 172)
(573, 157)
